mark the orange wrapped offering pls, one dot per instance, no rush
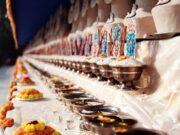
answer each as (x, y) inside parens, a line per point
(7, 122)
(11, 97)
(5, 108)
(29, 94)
(36, 128)
(121, 58)
(12, 84)
(25, 81)
(12, 90)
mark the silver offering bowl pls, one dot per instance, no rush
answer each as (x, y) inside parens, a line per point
(56, 62)
(77, 104)
(71, 91)
(138, 131)
(126, 75)
(86, 68)
(60, 62)
(65, 63)
(67, 98)
(78, 66)
(106, 128)
(95, 70)
(74, 65)
(91, 112)
(68, 90)
(69, 63)
(106, 72)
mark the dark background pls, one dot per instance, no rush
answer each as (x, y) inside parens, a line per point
(29, 16)
(8, 53)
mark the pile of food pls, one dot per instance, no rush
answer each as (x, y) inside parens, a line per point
(25, 81)
(36, 128)
(29, 93)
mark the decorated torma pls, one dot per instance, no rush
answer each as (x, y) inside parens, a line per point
(170, 9)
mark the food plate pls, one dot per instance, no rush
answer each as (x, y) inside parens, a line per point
(36, 128)
(19, 84)
(34, 99)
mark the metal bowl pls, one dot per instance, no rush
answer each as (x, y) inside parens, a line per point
(65, 63)
(72, 91)
(78, 66)
(86, 68)
(138, 131)
(64, 90)
(74, 65)
(105, 71)
(91, 112)
(106, 128)
(61, 63)
(126, 75)
(95, 69)
(67, 98)
(69, 63)
(77, 105)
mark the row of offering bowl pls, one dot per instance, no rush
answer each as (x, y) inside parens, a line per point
(124, 71)
(96, 116)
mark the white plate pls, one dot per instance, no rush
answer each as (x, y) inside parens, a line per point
(19, 84)
(34, 99)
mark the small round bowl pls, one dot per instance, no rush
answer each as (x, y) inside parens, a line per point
(104, 127)
(69, 63)
(64, 90)
(78, 66)
(77, 105)
(60, 62)
(65, 63)
(137, 131)
(105, 71)
(91, 112)
(67, 98)
(95, 69)
(126, 75)
(72, 91)
(86, 68)
(74, 65)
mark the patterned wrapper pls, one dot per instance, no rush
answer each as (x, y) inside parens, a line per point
(95, 44)
(75, 46)
(117, 40)
(104, 45)
(130, 38)
(88, 45)
(79, 43)
(83, 43)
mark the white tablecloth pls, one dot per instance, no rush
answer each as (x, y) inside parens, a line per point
(49, 110)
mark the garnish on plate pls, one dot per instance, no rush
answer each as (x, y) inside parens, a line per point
(36, 128)
(29, 93)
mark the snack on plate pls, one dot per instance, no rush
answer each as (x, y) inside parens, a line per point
(6, 122)
(5, 108)
(29, 93)
(36, 128)
(26, 81)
